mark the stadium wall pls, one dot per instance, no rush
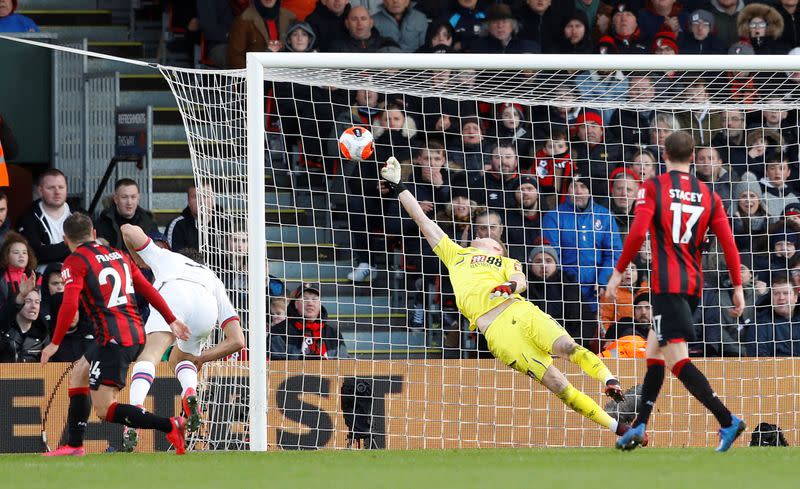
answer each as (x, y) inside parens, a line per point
(419, 404)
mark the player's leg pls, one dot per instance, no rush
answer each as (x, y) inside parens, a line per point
(510, 340)
(107, 377)
(551, 337)
(80, 407)
(201, 321)
(565, 346)
(651, 386)
(673, 333)
(144, 370)
(557, 383)
(142, 376)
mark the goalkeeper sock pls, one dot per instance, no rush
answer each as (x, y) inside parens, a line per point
(591, 364)
(141, 379)
(80, 405)
(698, 385)
(136, 417)
(186, 372)
(651, 386)
(585, 406)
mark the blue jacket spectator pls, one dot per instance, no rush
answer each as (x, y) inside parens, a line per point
(11, 22)
(586, 236)
(777, 328)
(401, 23)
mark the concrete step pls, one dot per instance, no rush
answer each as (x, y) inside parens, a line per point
(301, 252)
(99, 65)
(349, 322)
(143, 83)
(173, 149)
(336, 289)
(141, 98)
(168, 132)
(272, 216)
(172, 166)
(167, 200)
(99, 33)
(298, 234)
(392, 338)
(121, 49)
(167, 116)
(171, 188)
(68, 17)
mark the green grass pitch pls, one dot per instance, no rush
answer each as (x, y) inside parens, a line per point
(753, 468)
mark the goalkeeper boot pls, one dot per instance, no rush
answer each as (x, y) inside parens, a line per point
(130, 438)
(632, 438)
(191, 409)
(614, 391)
(178, 434)
(66, 451)
(729, 435)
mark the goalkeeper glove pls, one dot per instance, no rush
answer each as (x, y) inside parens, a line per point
(504, 290)
(391, 176)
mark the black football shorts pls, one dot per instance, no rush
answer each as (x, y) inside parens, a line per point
(673, 317)
(108, 364)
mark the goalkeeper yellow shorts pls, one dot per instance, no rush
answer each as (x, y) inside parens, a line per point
(522, 337)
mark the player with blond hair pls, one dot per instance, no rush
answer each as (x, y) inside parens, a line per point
(487, 286)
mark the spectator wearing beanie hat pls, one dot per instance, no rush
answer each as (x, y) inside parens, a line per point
(665, 42)
(591, 154)
(749, 215)
(700, 37)
(557, 294)
(625, 29)
(524, 219)
(13, 22)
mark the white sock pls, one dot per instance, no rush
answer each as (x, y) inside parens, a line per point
(141, 380)
(186, 373)
(614, 426)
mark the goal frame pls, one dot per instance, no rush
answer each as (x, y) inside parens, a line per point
(257, 62)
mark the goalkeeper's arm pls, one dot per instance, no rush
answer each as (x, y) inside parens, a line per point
(391, 175)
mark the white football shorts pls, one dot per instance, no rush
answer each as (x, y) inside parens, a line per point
(195, 305)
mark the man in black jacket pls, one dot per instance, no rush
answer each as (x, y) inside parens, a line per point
(43, 223)
(182, 231)
(362, 36)
(327, 20)
(22, 333)
(126, 210)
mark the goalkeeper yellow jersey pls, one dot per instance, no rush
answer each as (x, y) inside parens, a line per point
(473, 274)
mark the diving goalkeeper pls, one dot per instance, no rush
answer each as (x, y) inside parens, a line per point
(487, 287)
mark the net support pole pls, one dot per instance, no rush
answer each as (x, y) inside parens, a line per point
(256, 247)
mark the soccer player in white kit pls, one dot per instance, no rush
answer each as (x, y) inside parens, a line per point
(197, 297)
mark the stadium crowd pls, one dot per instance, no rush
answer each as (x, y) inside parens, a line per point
(556, 184)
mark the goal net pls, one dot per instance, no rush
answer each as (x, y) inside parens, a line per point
(546, 158)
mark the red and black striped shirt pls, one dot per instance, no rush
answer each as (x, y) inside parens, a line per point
(104, 279)
(678, 210)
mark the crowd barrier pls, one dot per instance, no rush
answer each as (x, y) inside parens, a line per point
(418, 404)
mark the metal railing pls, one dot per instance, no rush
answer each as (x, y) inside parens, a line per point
(85, 105)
